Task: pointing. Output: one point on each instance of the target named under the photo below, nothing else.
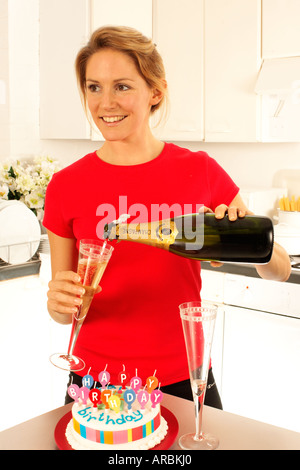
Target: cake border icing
(78, 442)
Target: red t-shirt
(135, 319)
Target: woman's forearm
(278, 268)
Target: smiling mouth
(110, 119)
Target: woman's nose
(108, 99)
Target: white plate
(20, 232)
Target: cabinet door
(178, 32)
(133, 13)
(280, 28)
(232, 61)
(64, 29)
(24, 351)
(261, 377)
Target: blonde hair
(131, 42)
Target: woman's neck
(130, 153)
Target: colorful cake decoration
(104, 377)
(114, 397)
(129, 397)
(95, 396)
(123, 415)
(136, 382)
(87, 381)
(123, 377)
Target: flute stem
(199, 401)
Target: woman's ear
(158, 95)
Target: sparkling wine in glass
(93, 258)
(198, 321)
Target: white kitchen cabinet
(212, 54)
(178, 31)
(24, 343)
(64, 29)
(280, 28)
(31, 385)
(257, 348)
(261, 294)
(261, 378)
(23, 351)
(137, 14)
(232, 61)
(62, 115)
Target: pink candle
(136, 382)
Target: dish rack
(30, 267)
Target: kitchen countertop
(234, 432)
(246, 270)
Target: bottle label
(166, 232)
(161, 233)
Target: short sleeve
(222, 188)
(55, 216)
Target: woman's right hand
(64, 296)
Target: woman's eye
(122, 87)
(93, 88)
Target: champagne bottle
(203, 237)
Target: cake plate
(165, 444)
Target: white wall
(4, 75)
(253, 164)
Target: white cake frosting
(92, 428)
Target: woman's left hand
(233, 212)
(279, 267)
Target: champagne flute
(198, 321)
(93, 258)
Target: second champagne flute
(198, 322)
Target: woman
(134, 320)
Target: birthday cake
(116, 417)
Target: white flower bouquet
(27, 182)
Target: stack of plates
(20, 232)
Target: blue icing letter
(109, 420)
(90, 418)
(84, 412)
(138, 415)
(121, 420)
(129, 418)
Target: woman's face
(118, 97)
